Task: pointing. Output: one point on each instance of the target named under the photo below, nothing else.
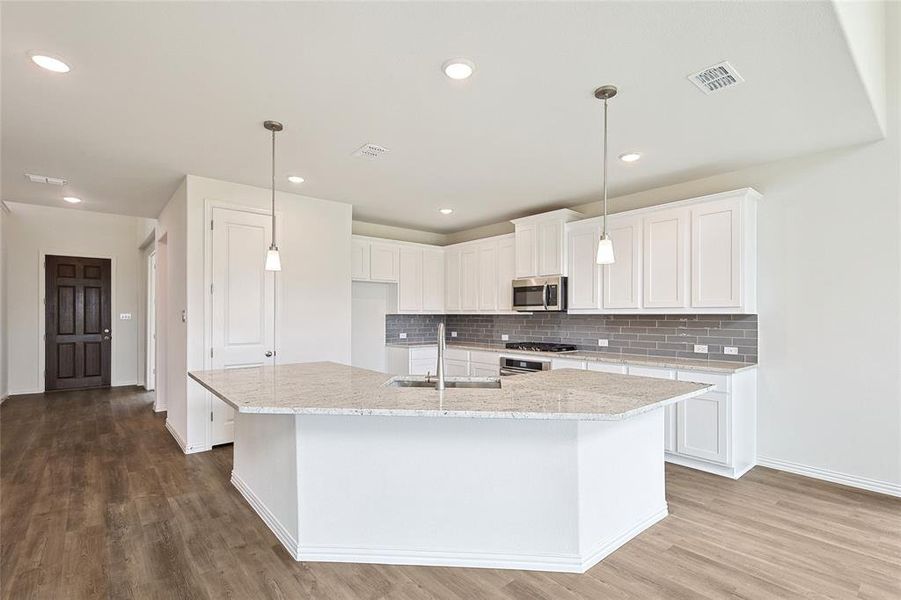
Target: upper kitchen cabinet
(692, 256)
(665, 258)
(723, 256)
(359, 259)
(541, 243)
(622, 279)
(433, 280)
(479, 275)
(384, 262)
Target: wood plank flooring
(97, 501)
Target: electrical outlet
(402, 336)
(701, 348)
(730, 350)
(504, 337)
(603, 343)
(453, 334)
(125, 316)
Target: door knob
(106, 331)
(106, 337)
(268, 353)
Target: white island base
(538, 494)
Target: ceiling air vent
(44, 179)
(370, 151)
(715, 78)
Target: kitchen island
(551, 471)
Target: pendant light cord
(274, 273)
(273, 188)
(604, 235)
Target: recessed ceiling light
(295, 178)
(50, 63)
(629, 156)
(458, 68)
(446, 211)
(71, 199)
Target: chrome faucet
(441, 347)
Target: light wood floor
(99, 502)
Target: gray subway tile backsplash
(654, 335)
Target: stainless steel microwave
(540, 294)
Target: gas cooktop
(540, 347)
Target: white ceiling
(158, 90)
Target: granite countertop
(326, 388)
(713, 366)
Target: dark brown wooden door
(78, 322)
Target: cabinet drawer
(607, 367)
(720, 381)
(655, 372)
(567, 363)
(456, 354)
(485, 358)
(424, 352)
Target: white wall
(32, 231)
(314, 301)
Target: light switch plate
(402, 336)
(730, 350)
(453, 334)
(603, 343)
(701, 348)
(125, 316)
(504, 337)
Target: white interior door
(242, 303)
(150, 374)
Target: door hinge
(211, 416)
(211, 353)
(211, 288)
(211, 224)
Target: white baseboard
(708, 467)
(281, 532)
(182, 444)
(561, 563)
(872, 485)
(607, 548)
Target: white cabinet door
(383, 262)
(622, 279)
(359, 259)
(702, 425)
(409, 286)
(433, 281)
(483, 370)
(716, 254)
(456, 368)
(506, 273)
(567, 363)
(551, 248)
(584, 280)
(669, 412)
(607, 367)
(488, 276)
(665, 258)
(452, 279)
(526, 250)
(469, 278)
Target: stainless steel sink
(489, 383)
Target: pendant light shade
(605, 251)
(273, 261)
(605, 244)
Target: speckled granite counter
(326, 388)
(711, 366)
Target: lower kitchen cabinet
(456, 368)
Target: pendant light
(273, 262)
(605, 244)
